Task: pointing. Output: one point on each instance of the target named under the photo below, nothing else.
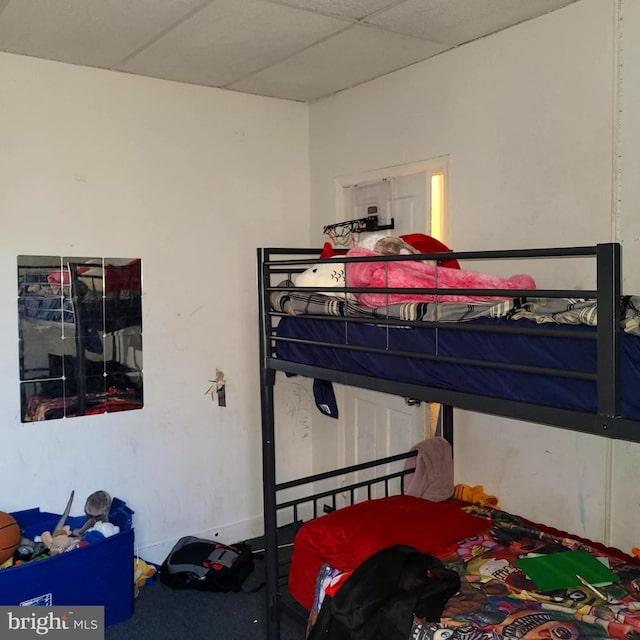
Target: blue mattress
(558, 352)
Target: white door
(411, 204)
(405, 199)
(378, 424)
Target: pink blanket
(418, 274)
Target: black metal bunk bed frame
(606, 421)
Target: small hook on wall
(218, 388)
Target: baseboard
(227, 534)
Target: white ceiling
(292, 49)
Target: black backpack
(196, 563)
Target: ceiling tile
(244, 44)
(355, 9)
(345, 60)
(457, 22)
(228, 40)
(88, 32)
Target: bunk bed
(80, 326)
(559, 357)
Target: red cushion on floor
(346, 537)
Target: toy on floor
(142, 571)
(9, 536)
(475, 495)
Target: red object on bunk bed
(346, 537)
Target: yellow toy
(475, 495)
(141, 573)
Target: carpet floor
(162, 613)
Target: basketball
(9, 536)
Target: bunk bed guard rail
(278, 264)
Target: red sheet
(344, 538)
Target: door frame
(430, 167)
(433, 166)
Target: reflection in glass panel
(80, 336)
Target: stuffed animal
(410, 243)
(416, 274)
(60, 540)
(96, 509)
(329, 273)
(475, 495)
(332, 274)
(393, 246)
(141, 573)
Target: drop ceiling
(291, 49)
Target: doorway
(413, 198)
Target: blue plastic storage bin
(100, 573)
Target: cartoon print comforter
(497, 600)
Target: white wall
(191, 180)
(526, 117)
(625, 507)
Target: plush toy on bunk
(409, 274)
(366, 234)
(412, 243)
